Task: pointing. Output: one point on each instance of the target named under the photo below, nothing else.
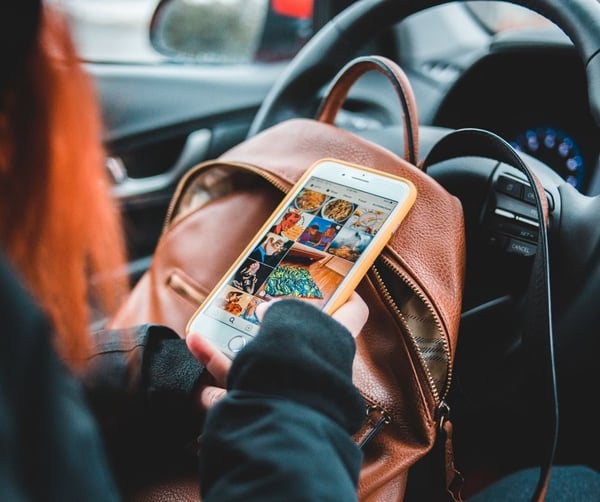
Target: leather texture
(178, 489)
(405, 353)
(337, 93)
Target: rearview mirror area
(230, 31)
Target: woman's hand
(352, 315)
(216, 363)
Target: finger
(214, 360)
(210, 395)
(353, 314)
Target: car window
(502, 16)
(118, 31)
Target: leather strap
(349, 74)
(481, 143)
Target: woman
(51, 167)
(60, 234)
(60, 231)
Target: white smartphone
(317, 246)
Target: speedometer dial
(555, 148)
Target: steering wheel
(333, 45)
(574, 232)
(575, 235)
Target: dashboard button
(529, 195)
(514, 229)
(510, 186)
(517, 207)
(527, 221)
(521, 248)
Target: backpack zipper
(375, 418)
(376, 415)
(407, 280)
(191, 175)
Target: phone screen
(312, 245)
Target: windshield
(500, 16)
(118, 31)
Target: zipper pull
(377, 417)
(454, 478)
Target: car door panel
(160, 121)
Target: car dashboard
(528, 86)
(535, 98)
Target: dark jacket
(140, 385)
(283, 432)
(49, 444)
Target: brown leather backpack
(405, 353)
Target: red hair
(60, 227)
